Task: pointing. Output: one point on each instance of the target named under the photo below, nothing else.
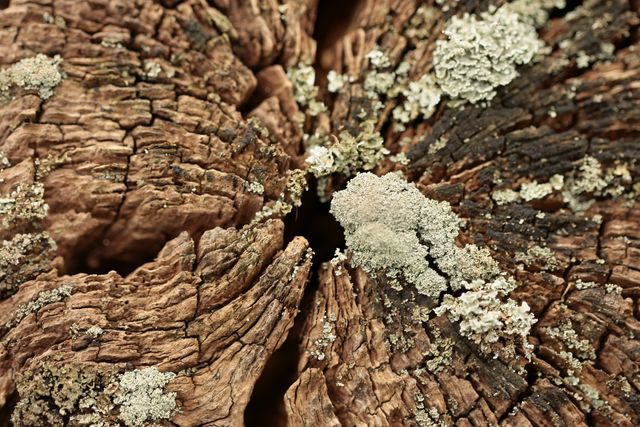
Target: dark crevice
(7, 409)
(330, 28)
(559, 13)
(313, 221)
(4, 4)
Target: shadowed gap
(313, 221)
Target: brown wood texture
(171, 110)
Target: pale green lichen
(291, 197)
(348, 154)
(582, 348)
(303, 78)
(58, 394)
(421, 99)
(481, 53)
(4, 162)
(44, 298)
(381, 77)
(487, 320)
(592, 179)
(391, 227)
(55, 395)
(528, 191)
(426, 417)
(141, 396)
(254, 187)
(23, 206)
(94, 332)
(39, 73)
(533, 190)
(336, 81)
(538, 255)
(22, 258)
(57, 20)
(328, 336)
(152, 69)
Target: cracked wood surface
(137, 164)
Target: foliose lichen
(59, 394)
(291, 197)
(481, 53)
(39, 73)
(141, 396)
(348, 154)
(305, 92)
(23, 206)
(488, 318)
(421, 97)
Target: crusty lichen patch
(291, 197)
(39, 73)
(141, 396)
(59, 394)
(23, 207)
(22, 258)
(44, 298)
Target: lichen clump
(485, 319)
(303, 78)
(57, 394)
(142, 398)
(23, 207)
(391, 227)
(480, 53)
(396, 234)
(349, 154)
(39, 73)
(44, 298)
(22, 258)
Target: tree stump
(166, 254)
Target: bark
(176, 124)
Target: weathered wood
(175, 135)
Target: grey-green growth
(44, 298)
(391, 227)
(485, 319)
(142, 398)
(22, 258)
(23, 206)
(348, 154)
(39, 73)
(58, 394)
(481, 52)
(303, 78)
